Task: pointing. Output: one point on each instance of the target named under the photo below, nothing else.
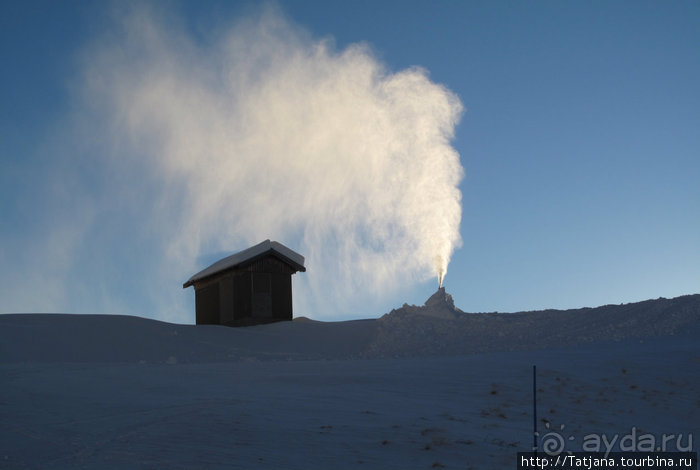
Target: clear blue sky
(580, 143)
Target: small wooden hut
(247, 288)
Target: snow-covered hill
(439, 328)
(421, 387)
(436, 328)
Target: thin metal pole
(534, 409)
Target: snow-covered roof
(294, 259)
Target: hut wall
(242, 298)
(260, 292)
(271, 289)
(226, 300)
(262, 295)
(282, 296)
(207, 304)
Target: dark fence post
(534, 409)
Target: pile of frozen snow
(436, 328)
(439, 328)
(114, 338)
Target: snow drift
(437, 328)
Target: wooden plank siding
(257, 292)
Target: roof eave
(293, 264)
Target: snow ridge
(437, 328)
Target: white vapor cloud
(261, 131)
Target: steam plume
(264, 132)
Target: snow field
(469, 411)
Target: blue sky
(579, 143)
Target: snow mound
(439, 305)
(125, 339)
(437, 328)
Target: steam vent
(439, 305)
(440, 300)
(247, 288)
